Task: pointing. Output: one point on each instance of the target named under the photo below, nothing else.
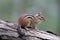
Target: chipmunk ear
(40, 13)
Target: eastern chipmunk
(30, 20)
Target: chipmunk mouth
(44, 20)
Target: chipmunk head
(40, 17)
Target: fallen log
(11, 31)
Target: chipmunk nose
(45, 19)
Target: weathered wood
(12, 31)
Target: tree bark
(11, 31)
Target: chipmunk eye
(41, 17)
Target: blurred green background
(11, 9)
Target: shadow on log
(11, 31)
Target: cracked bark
(11, 31)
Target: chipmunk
(31, 20)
